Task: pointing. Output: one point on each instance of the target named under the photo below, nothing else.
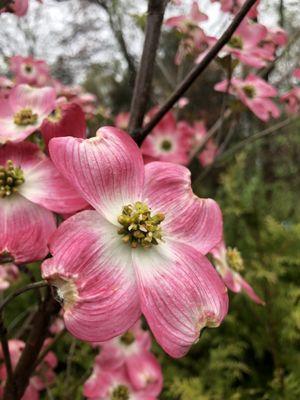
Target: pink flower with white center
(233, 6)
(167, 142)
(30, 188)
(17, 7)
(292, 100)
(29, 70)
(115, 352)
(43, 376)
(194, 39)
(131, 351)
(228, 262)
(255, 93)
(24, 111)
(186, 22)
(107, 384)
(67, 119)
(9, 273)
(140, 251)
(5, 87)
(246, 45)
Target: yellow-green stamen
(11, 177)
(128, 338)
(121, 392)
(139, 227)
(249, 91)
(236, 42)
(55, 116)
(25, 117)
(166, 145)
(234, 259)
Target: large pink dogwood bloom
(23, 112)
(140, 251)
(30, 188)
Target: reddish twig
(141, 134)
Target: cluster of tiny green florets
(25, 117)
(121, 392)
(128, 338)
(234, 259)
(249, 91)
(236, 42)
(10, 178)
(139, 227)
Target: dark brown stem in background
(6, 353)
(116, 27)
(142, 88)
(139, 136)
(15, 387)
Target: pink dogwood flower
(44, 374)
(30, 189)
(168, 141)
(9, 273)
(223, 258)
(292, 100)
(233, 6)
(132, 352)
(29, 70)
(5, 87)
(24, 111)
(255, 93)
(107, 384)
(185, 22)
(67, 119)
(246, 45)
(140, 251)
(17, 7)
(209, 153)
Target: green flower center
(128, 338)
(121, 392)
(236, 42)
(139, 227)
(11, 178)
(28, 68)
(249, 91)
(25, 117)
(166, 145)
(234, 259)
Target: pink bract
(26, 220)
(232, 279)
(38, 103)
(168, 141)
(18, 7)
(255, 93)
(30, 71)
(105, 283)
(44, 374)
(66, 120)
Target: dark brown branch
(6, 353)
(139, 136)
(142, 88)
(15, 388)
(20, 291)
